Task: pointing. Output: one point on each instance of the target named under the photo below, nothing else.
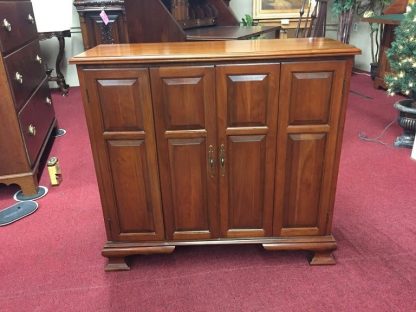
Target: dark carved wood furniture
(94, 31)
(230, 33)
(26, 109)
(162, 21)
(59, 78)
(181, 20)
(225, 142)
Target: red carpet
(50, 261)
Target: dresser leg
(29, 186)
(323, 257)
(117, 264)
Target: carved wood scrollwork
(106, 33)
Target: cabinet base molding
(116, 264)
(116, 255)
(322, 250)
(322, 246)
(322, 258)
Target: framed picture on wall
(264, 9)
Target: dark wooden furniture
(392, 16)
(181, 20)
(225, 142)
(389, 22)
(26, 110)
(59, 78)
(162, 21)
(230, 32)
(94, 31)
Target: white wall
(73, 46)
(360, 37)
(242, 7)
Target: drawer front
(17, 25)
(25, 72)
(35, 120)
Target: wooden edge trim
(122, 252)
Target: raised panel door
(184, 106)
(247, 106)
(308, 122)
(120, 120)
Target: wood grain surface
(218, 50)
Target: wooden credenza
(234, 142)
(26, 109)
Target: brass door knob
(18, 77)
(48, 100)
(30, 19)
(31, 130)
(38, 59)
(7, 25)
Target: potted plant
(345, 10)
(368, 9)
(402, 78)
(375, 33)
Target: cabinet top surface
(214, 51)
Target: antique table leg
(60, 79)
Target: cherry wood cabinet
(94, 30)
(221, 143)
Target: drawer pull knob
(7, 25)
(30, 19)
(38, 59)
(19, 77)
(48, 100)
(31, 130)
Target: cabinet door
(247, 104)
(120, 120)
(308, 125)
(184, 105)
